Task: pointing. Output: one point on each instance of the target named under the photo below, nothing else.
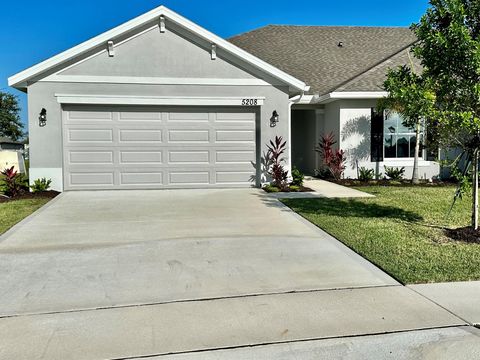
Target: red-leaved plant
(12, 182)
(275, 168)
(333, 160)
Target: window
(398, 140)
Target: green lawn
(14, 211)
(401, 231)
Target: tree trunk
(475, 190)
(415, 157)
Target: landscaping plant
(394, 173)
(40, 185)
(13, 182)
(297, 177)
(365, 174)
(275, 161)
(333, 159)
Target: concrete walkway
(230, 273)
(322, 188)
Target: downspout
(291, 101)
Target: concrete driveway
(130, 274)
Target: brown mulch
(28, 195)
(386, 182)
(465, 234)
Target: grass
(401, 230)
(14, 211)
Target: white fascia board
(155, 100)
(19, 80)
(153, 80)
(359, 95)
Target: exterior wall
(354, 134)
(46, 146)
(155, 54)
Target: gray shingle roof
(312, 54)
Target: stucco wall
(355, 117)
(46, 142)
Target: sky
(32, 31)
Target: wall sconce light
(274, 119)
(42, 118)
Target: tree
(10, 125)
(410, 95)
(449, 50)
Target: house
(160, 102)
(11, 154)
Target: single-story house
(160, 102)
(7, 143)
(11, 154)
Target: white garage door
(141, 148)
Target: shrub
(274, 163)
(394, 173)
(297, 177)
(271, 188)
(333, 160)
(365, 174)
(294, 188)
(13, 182)
(40, 185)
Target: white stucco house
(160, 102)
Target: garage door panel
(141, 178)
(82, 157)
(233, 177)
(188, 157)
(235, 136)
(89, 135)
(137, 148)
(91, 178)
(140, 116)
(188, 136)
(189, 178)
(140, 135)
(140, 157)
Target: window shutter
(376, 138)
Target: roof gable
(86, 48)
(313, 54)
(151, 54)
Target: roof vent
(340, 44)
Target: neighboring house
(11, 154)
(160, 102)
(9, 144)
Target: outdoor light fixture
(274, 119)
(42, 118)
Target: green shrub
(365, 174)
(297, 177)
(271, 188)
(394, 173)
(41, 185)
(294, 188)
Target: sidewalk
(322, 188)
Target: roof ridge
(369, 68)
(332, 26)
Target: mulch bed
(28, 195)
(465, 234)
(386, 182)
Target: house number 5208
(249, 102)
